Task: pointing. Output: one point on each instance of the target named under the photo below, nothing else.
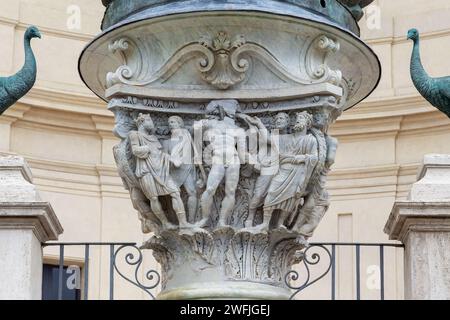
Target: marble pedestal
(222, 108)
(25, 223)
(422, 224)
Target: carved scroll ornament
(224, 62)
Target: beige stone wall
(65, 134)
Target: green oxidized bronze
(356, 7)
(340, 13)
(15, 87)
(434, 90)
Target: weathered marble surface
(239, 55)
(422, 224)
(276, 166)
(25, 223)
(223, 119)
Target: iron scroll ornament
(308, 261)
(136, 260)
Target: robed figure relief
(317, 201)
(153, 171)
(297, 155)
(265, 156)
(183, 170)
(290, 162)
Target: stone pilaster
(25, 223)
(422, 224)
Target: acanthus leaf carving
(247, 257)
(283, 257)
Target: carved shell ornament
(223, 62)
(224, 70)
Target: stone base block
(226, 290)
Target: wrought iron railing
(310, 257)
(132, 259)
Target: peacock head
(413, 34)
(32, 32)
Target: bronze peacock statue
(15, 87)
(435, 90)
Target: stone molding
(427, 207)
(94, 180)
(64, 101)
(432, 162)
(20, 205)
(25, 223)
(223, 291)
(15, 163)
(410, 216)
(410, 117)
(271, 74)
(422, 224)
(36, 216)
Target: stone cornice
(380, 107)
(37, 216)
(17, 164)
(65, 101)
(104, 126)
(366, 172)
(60, 33)
(408, 216)
(49, 31)
(33, 124)
(395, 40)
(16, 112)
(366, 126)
(383, 107)
(101, 179)
(382, 116)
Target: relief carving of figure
(181, 184)
(317, 201)
(152, 171)
(227, 151)
(149, 222)
(267, 163)
(126, 166)
(298, 159)
(183, 172)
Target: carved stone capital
(223, 112)
(220, 207)
(225, 255)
